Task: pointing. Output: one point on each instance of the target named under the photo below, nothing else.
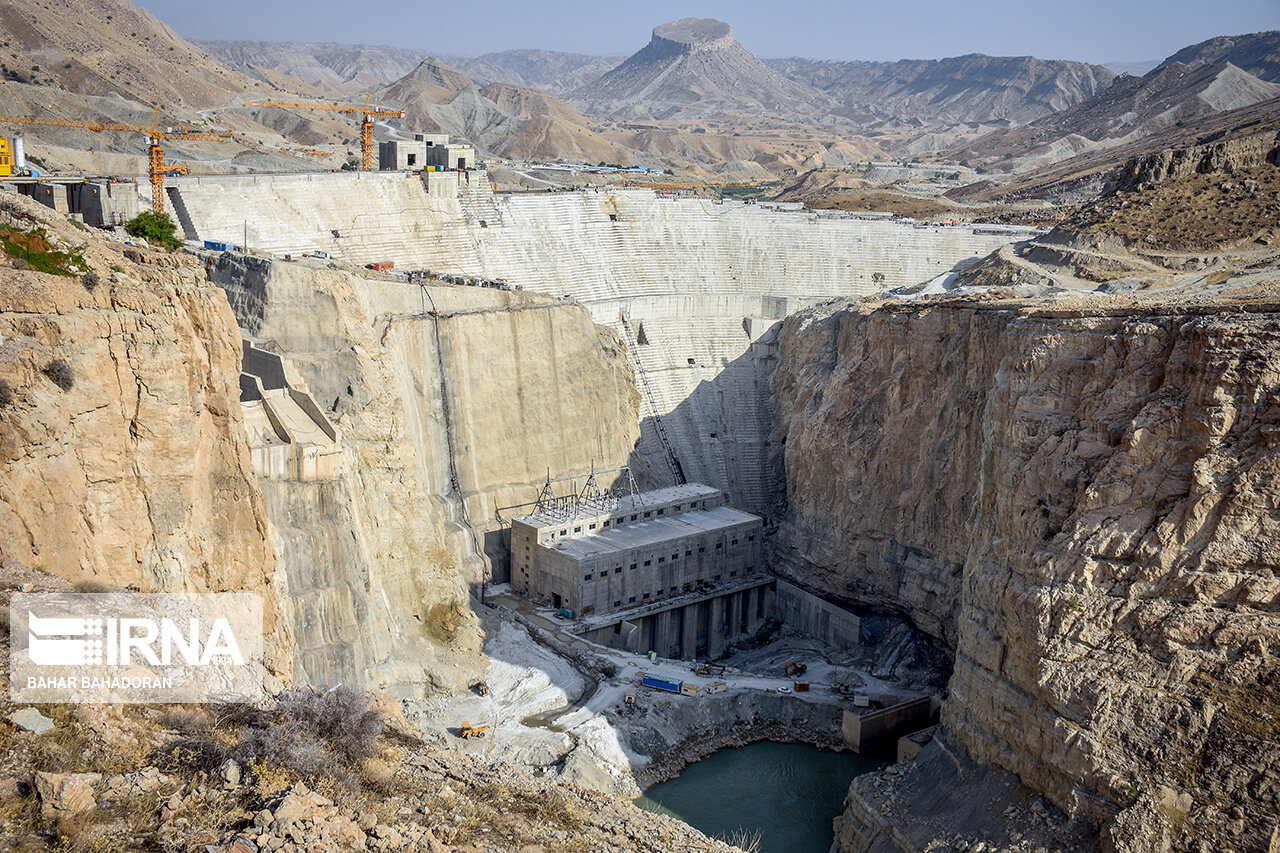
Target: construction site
(689, 293)
(603, 478)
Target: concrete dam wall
(695, 288)
(443, 416)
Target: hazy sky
(1090, 30)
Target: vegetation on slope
(1193, 212)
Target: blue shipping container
(661, 684)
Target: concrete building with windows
(676, 571)
(425, 149)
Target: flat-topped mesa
(691, 35)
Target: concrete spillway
(695, 287)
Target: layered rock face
(452, 403)
(138, 473)
(1081, 504)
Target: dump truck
(663, 684)
(631, 696)
(470, 731)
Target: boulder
(66, 793)
(31, 720)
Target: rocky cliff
(1080, 503)
(131, 469)
(447, 416)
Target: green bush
(32, 250)
(154, 227)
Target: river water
(787, 792)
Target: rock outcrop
(1079, 502)
(134, 469)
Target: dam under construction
(501, 385)
(543, 428)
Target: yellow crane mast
(156, 168)
(366, 112)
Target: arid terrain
(985, 347)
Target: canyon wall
(451, 404)
(134, 471)
(1081, 503)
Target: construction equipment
(481, 688)
(795, 668)
(155, 152)
(708, 669)
(469, 731)
(367, 114)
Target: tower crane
(155, 152)
(367, 113)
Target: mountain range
(1171, 96)
(692, 98)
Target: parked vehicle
(663, 684)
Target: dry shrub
(61, 374)
(188, 719)
(89, 586)
(313, 733)
(271, 778)
(6, 394)
(378, 775)
(186, 755)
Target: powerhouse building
(676, 571)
